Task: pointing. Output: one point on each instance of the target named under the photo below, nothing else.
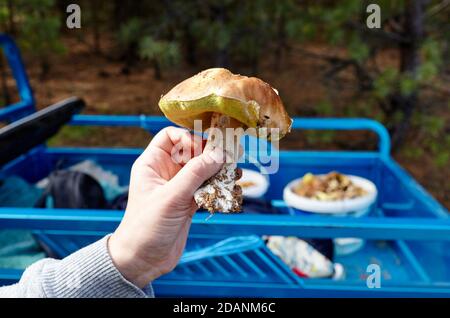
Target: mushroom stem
(220, 192)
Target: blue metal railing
(386, 228)
(26, 104)
(384, 142)
(156, 123)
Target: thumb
(196, 171)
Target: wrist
(127, 262)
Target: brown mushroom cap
(249, 100)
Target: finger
(196, 172)
(170, 136)
(178, 143)
(167, 138)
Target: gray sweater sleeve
(88, 272)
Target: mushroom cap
(249, 100)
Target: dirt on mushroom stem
(221, 193)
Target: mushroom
(225, 103)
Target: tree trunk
(157, 74)
(254, 62)
(191, 47)
(11, 27)
(189, 41)
(281, 41)
(409, 64)
(125, 10)
(222, 53)
(95, 7)
(5, 92)
(45, 68)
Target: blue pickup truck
(407, 232)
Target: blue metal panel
(399, 265)
(241, 224)
(312, 288)
(250, 266)
(222, 289)
(261, 268)
(416, 193)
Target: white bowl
(347, 245)
(261, 184)
(358, 205)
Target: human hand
(152, 235)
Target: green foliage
(432, 137)
(241, 30)
(238, 34)
(212, 35)
(319, 137)
(4, 12)
(137, 39)
(407, 84)
(71, 134)
(384, 91)
(391, 80)
(358, 50)
(442, 152)
(431, 60)
(130, 32)
(433, 125)
(413, 152)
(385, 82)
(41, 35)
(164, 52)
(38, 27)
(325, 107)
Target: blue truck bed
(407, 232)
